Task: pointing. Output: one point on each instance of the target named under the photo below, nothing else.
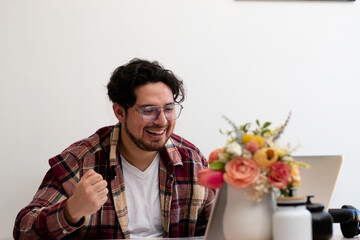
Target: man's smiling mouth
(154, 132)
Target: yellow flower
(259, 140)
(247, 138)
(265, 157)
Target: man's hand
(90, 194)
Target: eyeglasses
(151, 113)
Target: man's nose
(162, 118)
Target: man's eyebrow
(150, 105)
(146, 105)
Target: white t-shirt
(143, 199)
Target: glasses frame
(159, 109)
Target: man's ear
(119, 112)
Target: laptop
(319, 180)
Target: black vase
(322, 222)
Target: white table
(336, 236)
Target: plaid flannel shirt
(185, 206)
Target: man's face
(149, 136)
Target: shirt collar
(172, 151)
(114, 138)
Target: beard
(140, 143)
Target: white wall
(244, 59)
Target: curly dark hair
(138, 72)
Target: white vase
(245, 219)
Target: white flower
(287, 158)
(247, 154)
(234, 148)
(223, 157)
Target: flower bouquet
(253, 160)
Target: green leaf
(266, 124)
(217, 165)
(265, 131)
(245, 127)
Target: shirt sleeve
(44, 217)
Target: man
(134, 179)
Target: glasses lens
(172, 111)
(150, 113)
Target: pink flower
(240, 172)
(252, 146)
(280, 174)
(210, 178)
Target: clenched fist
(90, 194)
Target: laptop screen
(320, 179)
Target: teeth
(155, 132)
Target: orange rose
(295, 175)
(280, 174)
(214, 155)
(240, 172)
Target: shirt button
(65, 232)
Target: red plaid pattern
(185, 206)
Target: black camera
(348, 217)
